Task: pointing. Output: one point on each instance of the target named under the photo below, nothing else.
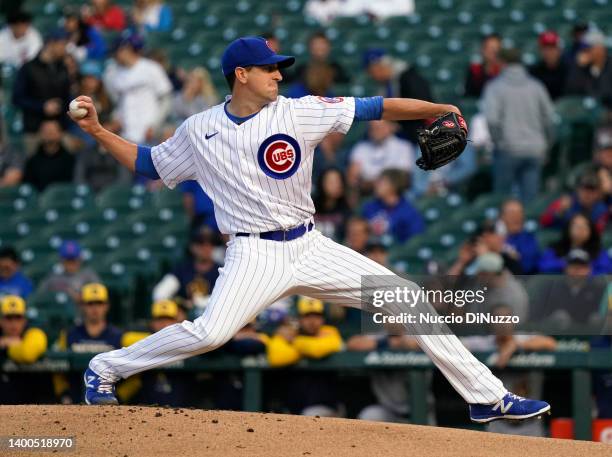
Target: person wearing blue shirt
(13, 281)
(390, 214)
(198, 205)
(580, 232)
(512, 219)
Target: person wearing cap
(85, 41)
(587, 199)
(396, 78)
(21, 344)
(93, 334)
(19, 40)
(194, 278)
(502, 287)
(73, 275)
(308, 393)
(480, 73)
(140, 89)
(42, 87)
(520, 116)
(551, 69)
(578, 233)
(104, 15)
(575, 297)
(12, 279)
(602, 160)
(255, 151)
(591, 73)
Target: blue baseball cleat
(97, 390)
(510, 407)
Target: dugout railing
(580, 364)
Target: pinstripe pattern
(259, 272)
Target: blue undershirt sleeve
(144, 163)
(368, 109)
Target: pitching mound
(137, 431)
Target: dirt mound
(142, 431)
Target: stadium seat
(546, 237)
(123, 198)
(166, 198)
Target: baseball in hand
(75, 111)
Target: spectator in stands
(357, 234)
(42, 88)
(21, 344)
(317, 80)
(389, 387)
(492, 239)
(579, 233)
(85, 41)
(382, 150)
(603, 161)
(176, 75)
(551, 70)
(19, 40)
(326, 11)
(319, 50)
(52, 162)
(90, 83)
(11, 165)
(329, 154)
(308, 393)
(12, 280)
(588, 199)
(591, 73)
(524, 243)
(198, 206)
(152, 16)
(104, 15)
(94, 335)
(520, 116)
(390, 214)
(502, 288)
(331, 204)
(479, 73)
(397, 79)
(140, 89)
(377, 251)
(506, 343)
(73, 275)
(576, 297)
(194, 278)
(229, 387)
(198, 94)
(157, 387)
(576, 44)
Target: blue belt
(283, 235)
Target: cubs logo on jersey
(279, 156)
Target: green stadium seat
(546, 237)
(41, 268)
(166, 198)
(123, 198)
(66, 196)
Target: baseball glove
(442, 142)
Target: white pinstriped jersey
(258, 174)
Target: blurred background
(93, 258)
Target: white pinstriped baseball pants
(259, 272)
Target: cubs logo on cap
(279, 156)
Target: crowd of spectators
(365, 195)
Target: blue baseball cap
(70, 250)
(251, 50)
(372, 55)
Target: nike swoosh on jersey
(208, 137)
